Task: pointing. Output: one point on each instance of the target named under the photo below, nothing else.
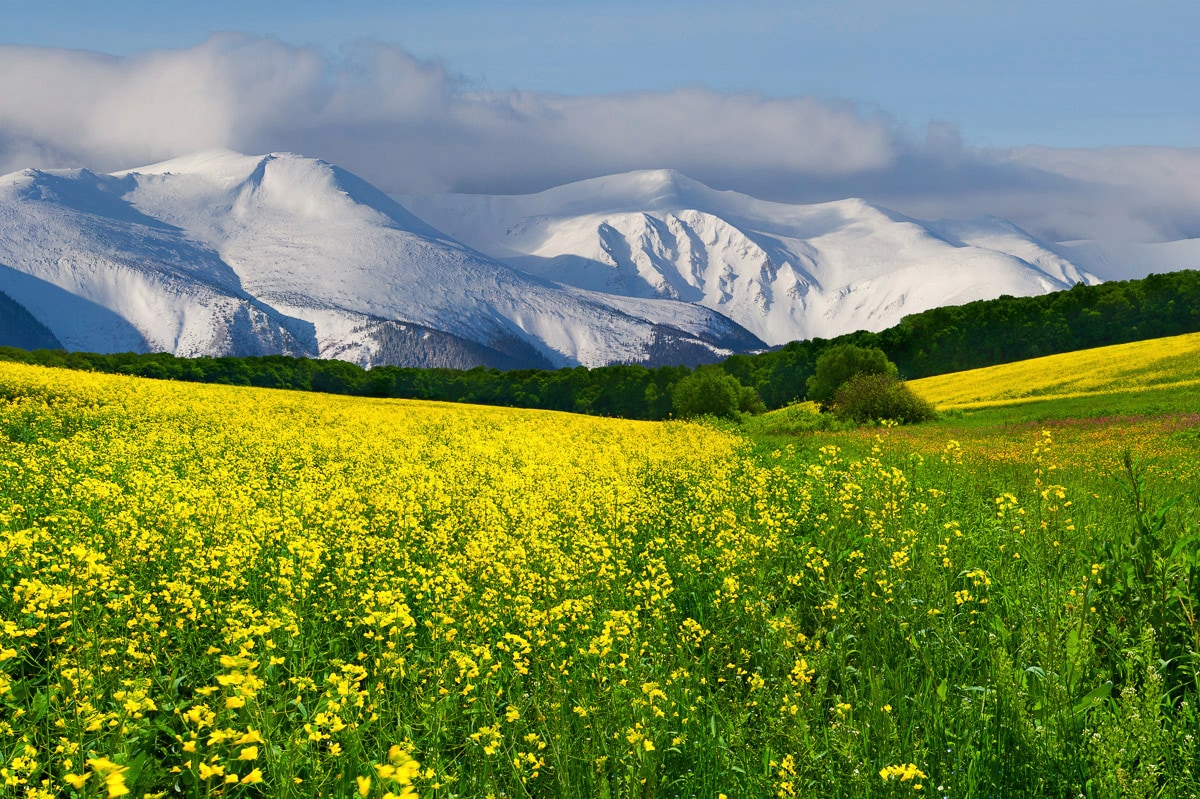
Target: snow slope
(104, 277)
(222, 253)
(783, 272)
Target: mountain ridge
(784, 272)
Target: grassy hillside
(1134, 367)
(1004, 330)
(213, 590)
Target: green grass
(1079, 675)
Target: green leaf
(1093, 697)
(1185, 544)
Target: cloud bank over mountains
(412, 127)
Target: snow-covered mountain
(783, 272)
(221, 253)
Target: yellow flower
(905, 771)
(77, 780)
(113, 773)
(249, 737)
(249, 753)
(104, 765)
(207, 771)
(364, 786)
(253, 777)
(406, 792)
(115, 783)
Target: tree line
(942, 340)
(990, 332)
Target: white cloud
(410, 127)
(378, 108)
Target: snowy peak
(651, 189)
(288, 183)
(1123, 260)
(79, 190)
(781, 271)
(102, 275)
(1002, 236)
(220, 165)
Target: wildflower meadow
(217, 591)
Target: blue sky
(1058, 73)
(1074, 119)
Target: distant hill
(784, 272)
(1117, 368)
(222, 254)
(990, 332)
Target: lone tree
(839, 363)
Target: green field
(1079, 675)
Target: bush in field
(841, 362)
(874, 397)
(710, 391)
(749, 401)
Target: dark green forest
(939, 341)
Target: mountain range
(220, 253)
(784, 272)
(225, 254)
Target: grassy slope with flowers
(1118, 369)
(208, 591)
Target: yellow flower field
(238, 586)
(1138, 366)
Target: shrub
(709, 391)
(874, 397)
(841, 362)
(796, 419)
(749, 401)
